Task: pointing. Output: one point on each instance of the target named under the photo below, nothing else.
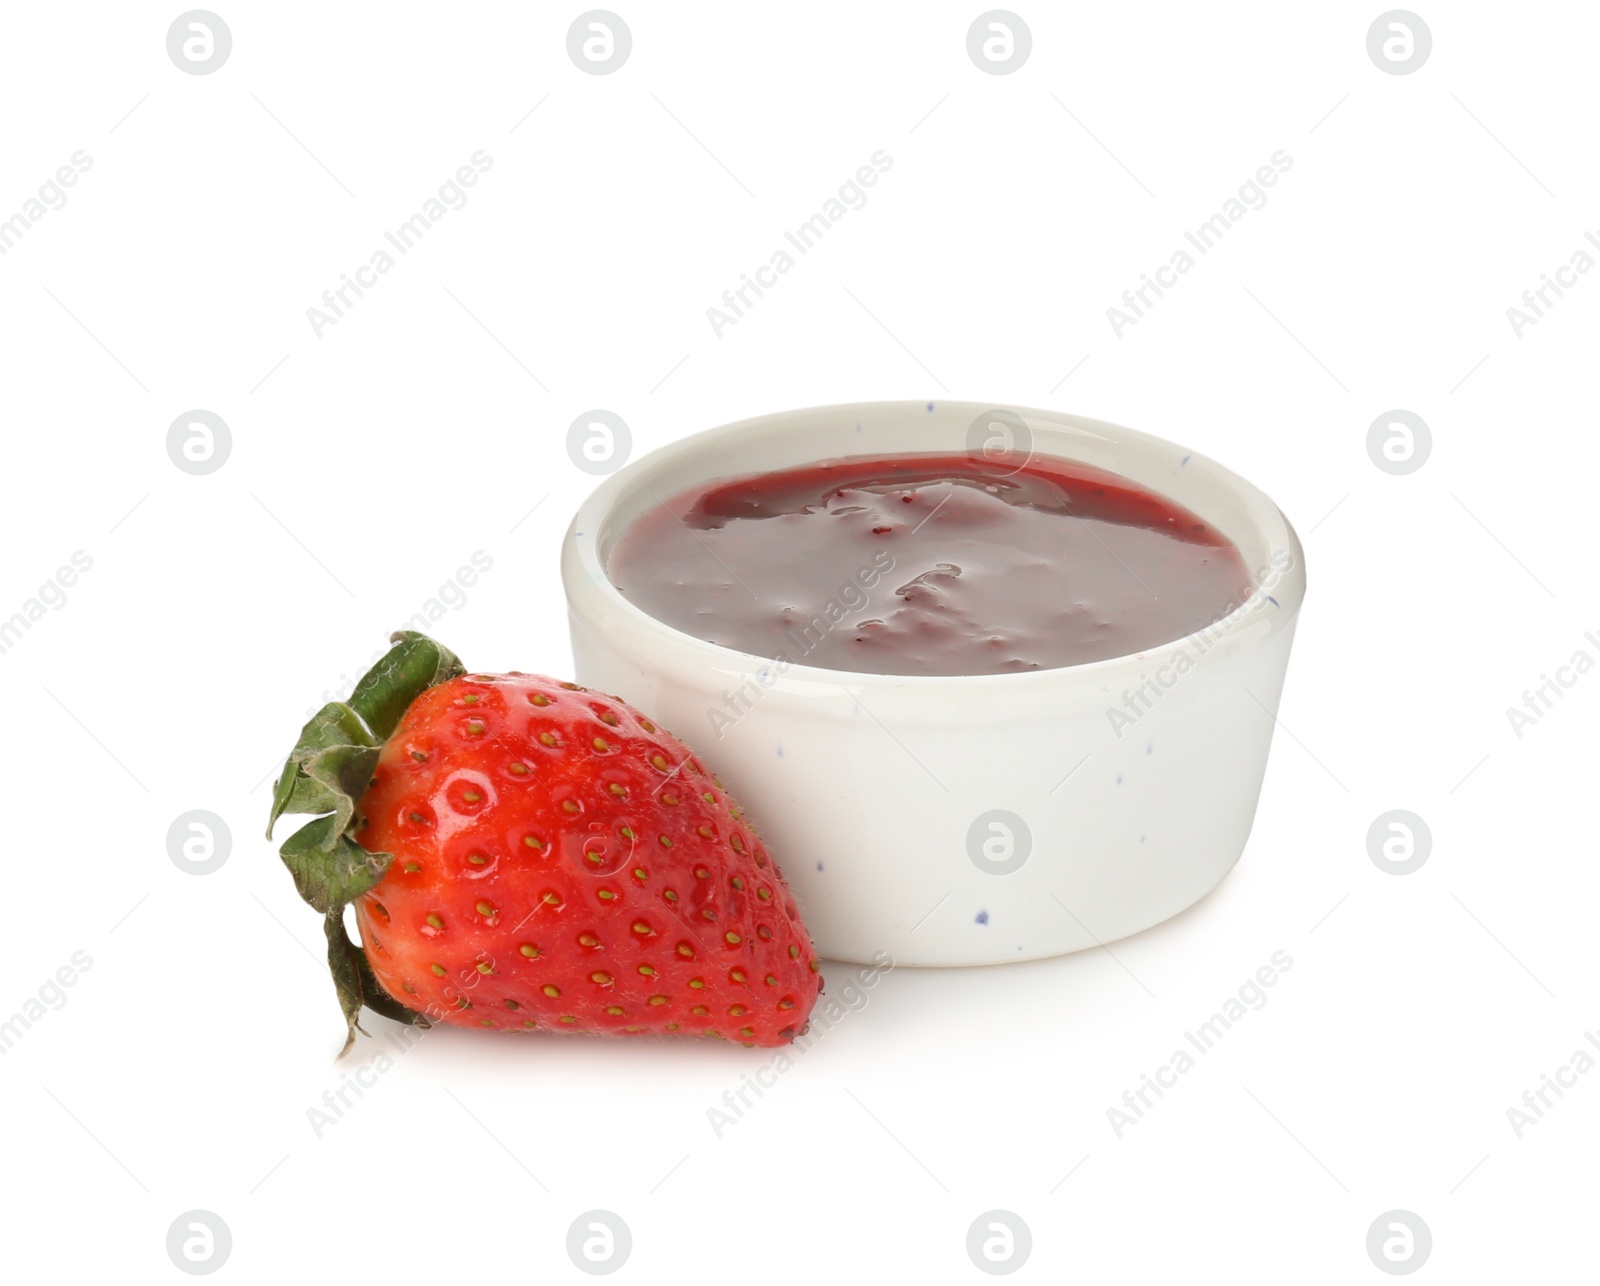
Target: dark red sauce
(929, 564)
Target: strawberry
(526, 855)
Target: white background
(369, 463)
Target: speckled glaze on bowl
(971, 819)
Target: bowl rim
(586, 582)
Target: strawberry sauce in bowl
(993, 684)
(929, 564)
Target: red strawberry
(526, 855)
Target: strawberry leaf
(353, 980)
(343, 772)
(330, 869)
(334, 726)
(326, 773)
(408, 669)
(346, 976)
(328, 769)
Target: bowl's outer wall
(870, 827)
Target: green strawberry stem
(326, 774)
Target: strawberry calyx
(326, 774)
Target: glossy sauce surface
(929, 564)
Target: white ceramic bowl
(972, 819)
